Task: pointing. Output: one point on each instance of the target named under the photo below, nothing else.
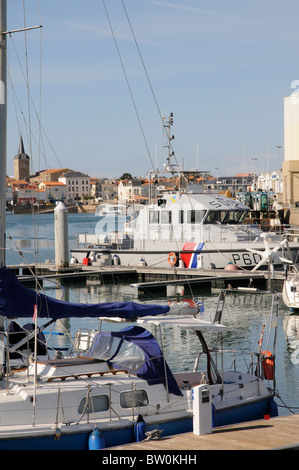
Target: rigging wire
(42, 132)
(27, 77)
(154, 96)
(38, 141)
(14, 94)
(145, 69)
(40, 87)
(128, 84)
(142, 61)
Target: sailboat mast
(3, 124)
(3, 120)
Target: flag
(34, 312)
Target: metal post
(164, 363)
(61, 235)
(3, 120)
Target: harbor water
(31, 240)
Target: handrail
(88, 374)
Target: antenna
(167, 126)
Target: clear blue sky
(223, 67)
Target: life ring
(172, 258)
(268, 365)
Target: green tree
(126, 176)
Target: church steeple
(21, 163)
(21, 146)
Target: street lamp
(278, 147)
(216, 168)
(254, 159)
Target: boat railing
(224, 232)
(252, 362)
(292, 233)
(230, 357)
(242, 232)
(258, 364)
(233, 356)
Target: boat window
(225, 217)
(229, 217)
(243, 215)
(133, 398)
(96, 404)
(213, 217)
(195, 216)
(165, 217)
(123, 354)
(103, 347)
(232, 217)
(181, 217)
(154, 217)
(129, 356)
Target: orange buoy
(268, 365)
(171, 259)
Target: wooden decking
(274, 434)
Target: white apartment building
(9, 194)
(290, 164)
(77, 184)
(129, 191)
(55, 190)
(24, 197)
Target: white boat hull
(57, 424)
(290, 291)
(209, 256)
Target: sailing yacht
(70, 402)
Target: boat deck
(274, 434)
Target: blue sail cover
(17, 301)
(149, 365)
